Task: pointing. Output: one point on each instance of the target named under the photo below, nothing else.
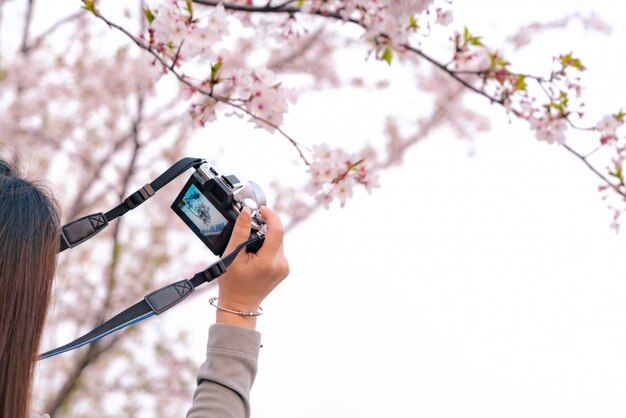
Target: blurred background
(481, 279)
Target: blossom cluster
(335, 173)
(192, 44)
(264, 97)
(551, 109)
(69, 103)
(389, 24)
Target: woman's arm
(227, 375)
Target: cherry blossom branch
(501, 101)
(281, 8)
(170, 67)
(455, 74)
(308, 44)
(451, 73)
(580, 156)
(439, 115)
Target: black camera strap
(157, 302)
(81, 229)
(154, 303)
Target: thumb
(241, 231)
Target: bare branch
(304, 48)
(27, 20)
(79, 202)
(53, 28)
(96, 349)
(592, 168)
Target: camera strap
(157, 302)
(81, 229)
(154, 303)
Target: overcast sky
(484, 286)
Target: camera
(210, 203)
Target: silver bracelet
(216, 306)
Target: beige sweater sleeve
(226, 377)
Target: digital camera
(210, 203)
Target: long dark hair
(29, 242)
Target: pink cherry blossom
(549, 129)
(444, 17)
(608, 125)
(335, 173)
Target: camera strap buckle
(139, 196)
(164, 298)
(80, 230)
(214, 271)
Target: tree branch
(97, 348)
(170, 67)
(53, 28)
(79, 202)
(27, 20)
(304, 48)
(285, 9)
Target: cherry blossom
(549, 129)
(335, 173)
(608, 126)
(444, 17)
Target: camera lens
(257, 194)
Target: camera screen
(207, 219)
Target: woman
(29, 242)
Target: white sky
(485, 286)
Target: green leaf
(190, 8)
(149, 15)
(618, 174)
(413, 23)
(556, 106)
(476, 41)
(569, 61)
(564, 99)
(620, 115)
(90, 5)
(215, 68)
(300, 3)
(521, 82)
(471, 39)
(387, 55)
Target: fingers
(275, 231)
(241, 231)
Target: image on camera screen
(202, 213)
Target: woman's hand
(251, 277)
